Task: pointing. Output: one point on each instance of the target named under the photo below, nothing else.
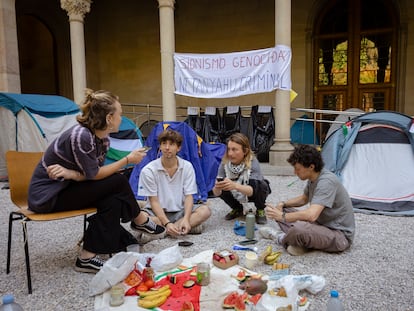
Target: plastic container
(9, 304)
(334, 303)
(225, 259)
(250, 223)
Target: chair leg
(12, 217)
(84, 223)
(26, 253)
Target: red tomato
(142, 288)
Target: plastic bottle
(149, 271)
(334, 303)
(250, 223)
(9, 304)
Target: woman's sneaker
(261, 217)
(149, 227)
(91, 265)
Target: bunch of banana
(269, 256)
(272, 257)
(154, 298)
(268, 251)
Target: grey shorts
(172, 216)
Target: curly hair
(95, 108)
(172, 136)
(243, 141)
(306, 155)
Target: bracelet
(167, 224)
(284, 216)
(127, 160)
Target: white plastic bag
(292, 285)
(167, 259)
(115, 270)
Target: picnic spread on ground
(177, 286)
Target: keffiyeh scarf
(241, 175)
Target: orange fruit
(149, 283)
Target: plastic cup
(250, 260)
(117, 296)
(203, 273)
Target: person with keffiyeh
(240, 180)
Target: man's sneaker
(91, 265)
(197, 229)
(234, 214)
(149, 227)
(261, 217)
(144, 238)
(271, 233)
(296, 250)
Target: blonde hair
(95, 108)
(242, 140)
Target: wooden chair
(20, 167)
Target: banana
(153, 292)
(265, 253)
(152, 303)
(155, 297)
(272, 258)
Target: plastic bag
(292, 285)
(167, 259)
(115, 270)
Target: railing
(146, 115)
(320, 117)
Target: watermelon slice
(239, 304)
(230, 300)
(255, 299)
(241, 276)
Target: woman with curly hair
(71, 175)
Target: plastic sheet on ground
(221, 284)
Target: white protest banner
(232, 74)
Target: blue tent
(303, 132)
(205, 157)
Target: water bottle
(9, 304)
(250, 223)
(334, 303)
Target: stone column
(282, 147)
(9, 52)
(76, 10)
(167, 40)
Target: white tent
(30, 122)
(373, 155)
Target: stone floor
(375, 274)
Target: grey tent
(373, 155)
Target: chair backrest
(20, 167)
